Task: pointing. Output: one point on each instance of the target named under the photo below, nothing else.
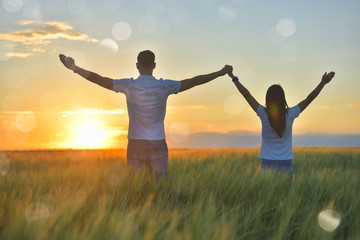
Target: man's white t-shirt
(272, 146)
(146, 99)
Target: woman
(277, 120)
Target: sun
(88, 135)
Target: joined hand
(226, 69)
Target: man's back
(146, 102)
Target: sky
(291, 43)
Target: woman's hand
(326, 78)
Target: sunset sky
(292, 43)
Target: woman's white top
(274, 147)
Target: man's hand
(326, 78)
(68, 62)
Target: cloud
(90, 111)
(18, 54)
(354, 105)
(325, 107)
(37, 35)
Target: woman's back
(272, 146)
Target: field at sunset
(72, 94)
(208, 194)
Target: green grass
(208, 194)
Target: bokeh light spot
(32, 11)
(179, 131)
(50, 202)
(286, 27)
(12, 6)
(25, 122)
(155, 9)
(121, 31)
(36, 211)
(109, 45)
(329, 220)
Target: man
(146, 99)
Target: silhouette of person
(277, 121)
(146, 99)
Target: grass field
(208, 194)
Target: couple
(146, 99)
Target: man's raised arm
(91, 76)
(201, 79)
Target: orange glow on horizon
(88, 134)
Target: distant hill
(243, 139)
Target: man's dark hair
(146, 58)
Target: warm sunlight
(88, 134)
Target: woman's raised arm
(247, 95)
(326, 78)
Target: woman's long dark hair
(276, 108)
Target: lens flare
(286, 27)
(329, 220)
(12, 6)
(25, 121)
(121, 31)
(36, 211)
(109, 45)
